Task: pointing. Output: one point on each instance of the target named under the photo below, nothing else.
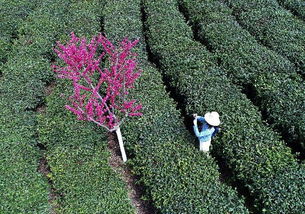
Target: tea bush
(77, 151)
(177, 177)
(276, 88)
(13, 12)
(23, 189)
(27, 71)
(79, 160)
(252, 150)
(296, 6)
(274, 26)
(80, 174)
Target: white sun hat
(212, 118)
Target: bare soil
(134, 191)
(49, 88)
(47, 91)
(43, 166)
(44, 169)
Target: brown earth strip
(43, 166)
(134, 191)
(44, 169)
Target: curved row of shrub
(177, 177)
(79, 160)
(27, 71)
(254, 153)
(13, 12)
(274, 26)
(296, 6)
(277, 89)
(23, 188)
(77, 150)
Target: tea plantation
(244, 59)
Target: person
(209, 128)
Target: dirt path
(134, 191)
(44, 169)
(43, 166)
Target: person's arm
(195, 127)
(196, 130)
(201, 119)
(217, 129)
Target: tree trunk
(120, 139)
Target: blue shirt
(206, 133)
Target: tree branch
(92, 119)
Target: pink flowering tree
(101, 94)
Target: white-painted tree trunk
(120, 139)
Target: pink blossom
(104, 100)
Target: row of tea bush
(274, 84)
(13, 12)
(177, 177)
(76, 151)
(252, 150)
(77, 155)
(273, 26)
(296, 6)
